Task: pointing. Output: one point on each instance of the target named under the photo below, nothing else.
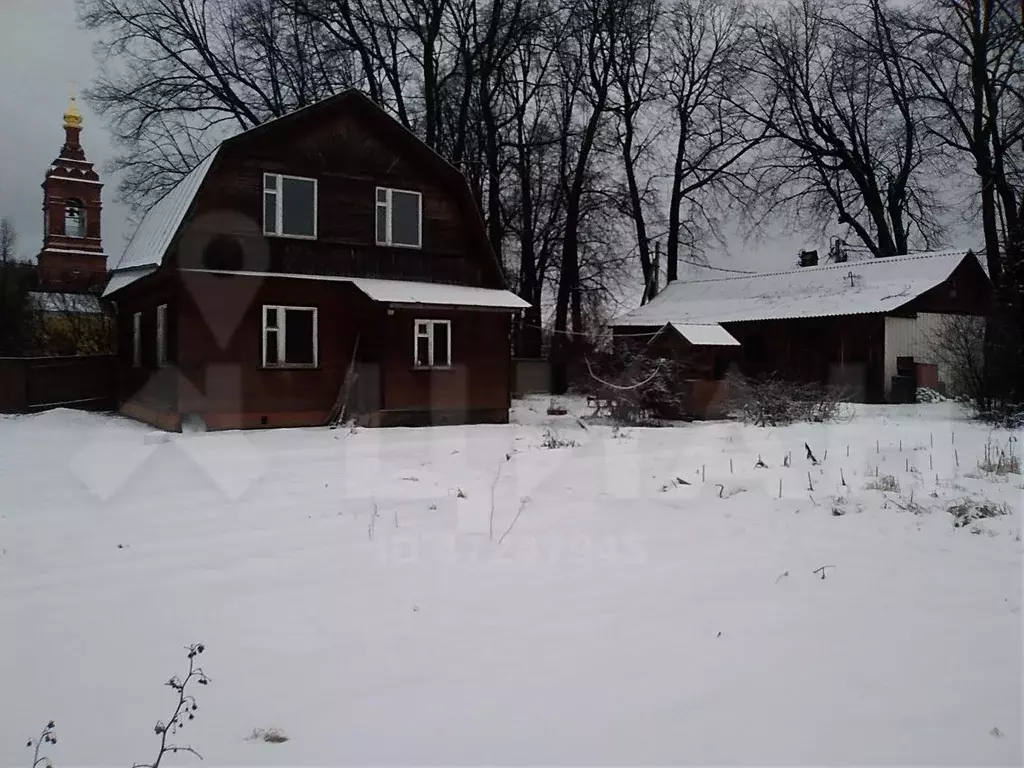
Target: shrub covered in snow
(927, 395)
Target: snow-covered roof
(400, 291)
(703, 334)
(158, 227)
(69, 303)
(851, 288)
(161, 222)
(121, 278)
(438, 294)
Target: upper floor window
(74, 218)
(289, 206)
(399, 218)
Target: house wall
(147, 392)
(350, 157)
(221, 365)
(476, 388)
(914, 337)
(218, 374)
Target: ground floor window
(432, 344)
(289, 336)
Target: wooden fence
(36, 383)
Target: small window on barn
(432, 344)
(74, 218)
(289, 206)
(137, 340)
(161, 336)
(290, 337)
(399, 218)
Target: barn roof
(160, 224)
(851, 288)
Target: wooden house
(325, 261)
(848, 324)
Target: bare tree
(970, 59)
(177, 76)
(636, 90)
(585, 75)
(708, 95)
(8, 240)
(841, 113)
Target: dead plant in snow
(885, 483)
(1000, 460)
(184, 711)
(968, 511)
(268, 735)
(47, 736)
(769, 401)
(552, 440)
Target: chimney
(808, 258)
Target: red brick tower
(72, 259)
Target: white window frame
(282, 352)
(161, 336)
(416, 336)
(278, 193)
(386, 204)
(137, 340)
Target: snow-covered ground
(354, 590)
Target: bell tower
(72, 259)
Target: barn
(868, 326)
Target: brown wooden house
(327, 258)
(846, 324)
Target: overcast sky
(42, 51)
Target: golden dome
(72, 115)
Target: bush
(981, 356)
(771, 402)
(967, 511)
(632, 387)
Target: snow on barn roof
(702, 334)
(850, 288)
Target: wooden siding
(218, 374)
(349, 160)
(480, 376)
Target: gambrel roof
(850, 288)
(156, 232)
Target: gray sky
(41, 52)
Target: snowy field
(654, 602)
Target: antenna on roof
(837, 250)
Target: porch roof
(851, 288)
(400, 291)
